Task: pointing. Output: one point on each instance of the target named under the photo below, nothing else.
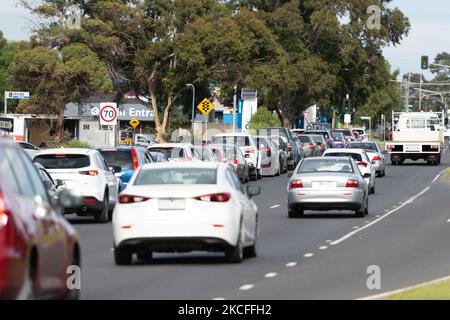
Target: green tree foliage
(263, 118)
(56, 77)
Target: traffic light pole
(420, 93)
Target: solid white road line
(275, 206)
(308, 255)
(246, 287)
(270, 275)
(435, 179)
(410, 200)
(389, 293)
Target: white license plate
(171, 204)
(324, 185)
(413, 148)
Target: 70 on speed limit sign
(108, 114)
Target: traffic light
(424, 62)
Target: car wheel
(251, 252)
(122, 256)
(103, 215)
(372, 189)
(145, 256)
(74, 294)
(295, 213)
(236, 254)
(360, 212)
(366, 211)
(259, 175)
(27, 291)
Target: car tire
(74, 294)
(102, 216)
(145, 256)
(372, 189)
(360, 212)
(122, 257)
(295, 213)
(366, 210)
(252, 252)
(236, 254)
(28, 290)
(258, 175)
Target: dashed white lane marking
(218, 299)
(308, 255)
(410, 200)
(448, 220)
(328, 241)
(111, 249)
(355, 227)
(380, 215)
(246, 287)
(367, 221)
(270, 275)
(435, 179)
(291, 264)
(275, 206)
(387, 210)
(323, 248)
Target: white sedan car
(362, 160)
(85, 172)
(183, 207)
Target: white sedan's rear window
(176, 176)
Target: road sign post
(15, 95)
(370, 126)
(7, 124)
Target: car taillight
(127, 198)
(92, 173)
(235, 161)
(352, 183)
(435, 146)
(215, 197)
(249, 151)
(296, 184)
(377, 158)
(134, 158)
(267, 151)
(362, 163)
(312, 146)
(3, 213)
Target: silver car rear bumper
(341, 199)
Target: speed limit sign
(108, 114)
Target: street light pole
(6, 102)
(193, 105)
(234, 108)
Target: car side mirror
(367, 175)
(253, 191)
(67, 199)
(115, 169)
(59, 183)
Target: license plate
(171, 204)
(324, 185)
(413, 148)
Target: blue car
(129, 159)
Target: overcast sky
(430, 33)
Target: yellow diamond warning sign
(134, 122)
(205, 107)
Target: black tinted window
(364, 146)
(121, 159)
(176, 176)
(169, 152)
(63, 161)
(355, 156)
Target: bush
(263, 118)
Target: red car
(37, 245)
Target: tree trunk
(60, 124)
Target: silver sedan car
(323, 184)
(375, 154)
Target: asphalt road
(321, 256)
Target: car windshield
(169, 152)
(355, 156)
(176, 176)
(326, 165)
(117, 158)
(364, 146)
(63, 161)
(241, 141)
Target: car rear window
(118, 158)
(241, 141)
(355, 156)
(176, 176)
(364, 146)
(304, 139)
(326, 165)
(318, 139)
(63, 161)
(169, 152)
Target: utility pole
(234, 108)
(420, 93)
(407, 92)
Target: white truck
(416, 135)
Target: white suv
(85, 172)
(248, 147)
